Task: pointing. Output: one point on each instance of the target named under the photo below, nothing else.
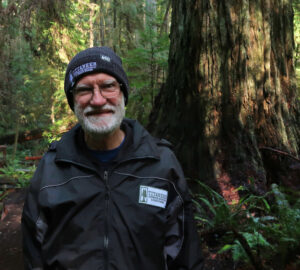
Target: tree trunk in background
(52, 116)
(115, 25)
(230, 91)
(164, 25)
(91, 22)
(17, 129)
(101, 24)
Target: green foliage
(147, 66)
(19, 171)
(35, 47)
(18, 175)
(285, 232)
(38, 39)
(266, 227)
(253, 239)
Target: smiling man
(100, 109)
(108, 195)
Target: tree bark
(114, 24)
(102, 24)
(91, 30)
(17, 128)
(164, 25)
(231, 89)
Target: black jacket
(134, 213)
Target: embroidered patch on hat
(84, 68)
(153, 196)
(105, 58)
(71, 79)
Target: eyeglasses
(108, 89)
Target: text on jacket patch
(153, 196)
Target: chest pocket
(141, 202)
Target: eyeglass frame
(100, 86)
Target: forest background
(248, 225)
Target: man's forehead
(99, 76)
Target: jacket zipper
(106, 240)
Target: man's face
(97, 114)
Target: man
(108, 195)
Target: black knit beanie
(93, 60)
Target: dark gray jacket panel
(134, 213)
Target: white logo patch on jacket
(153, 196)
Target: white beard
(100, 125)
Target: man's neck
(104, 142)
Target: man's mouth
(99, 112)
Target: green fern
(258, 229)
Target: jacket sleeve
(183, 228)
(190, 256)
(33, 227)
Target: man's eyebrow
(78, 86)
(109, 81)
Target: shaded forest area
(219, 79)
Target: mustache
(106, 108)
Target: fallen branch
(23, 136)
(33, 158)
(279, 152)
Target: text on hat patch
(84, 68)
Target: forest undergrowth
(256, 232)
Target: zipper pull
(105, 242)
(105, 176)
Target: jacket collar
(138, 144)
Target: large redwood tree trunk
(231, 91)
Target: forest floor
(10, 230)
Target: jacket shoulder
(163, 143)
(52, 146)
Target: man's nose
(97, 99)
